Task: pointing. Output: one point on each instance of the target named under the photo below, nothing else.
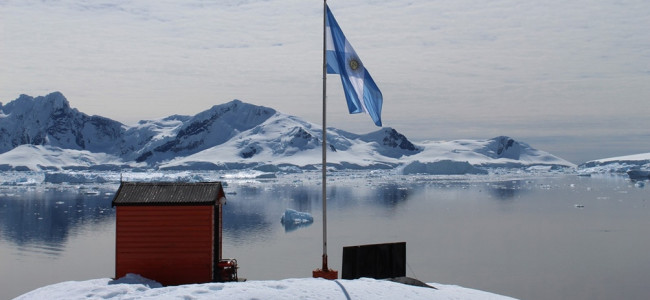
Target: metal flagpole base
(325, 272)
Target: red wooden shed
(169, 231)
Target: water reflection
(503, 236)
(41, 221)
(391, 195)
(506, 190)
(302, 198)
(244, 214)
(291, 226)
(254, 209)
(240, 222)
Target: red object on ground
(327, 274)
(227, 270)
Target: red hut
(169, 232)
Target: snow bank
(304, 288)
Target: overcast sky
(568, 77)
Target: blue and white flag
(361, 92)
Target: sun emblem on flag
(354, 63)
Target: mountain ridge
(231, 135)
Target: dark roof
(168, 193)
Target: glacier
(614, 165)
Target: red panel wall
(170, 244)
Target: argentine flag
(361, 92)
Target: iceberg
(296, 217)
(637, 174)
(293, 219)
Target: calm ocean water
(529, 237)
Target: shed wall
(170, 244)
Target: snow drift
(136, 287)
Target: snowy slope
(137, 287)
(287, 140)
(181, 136)
(233, 135)
(499, 150)
(31, 157)
(619, 164)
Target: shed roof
(168, 193)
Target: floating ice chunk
(295, 217)
(292, 219)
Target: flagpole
(324, 271)
(360, 97)
(324, 144)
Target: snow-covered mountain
(44, 133)
(50, 121)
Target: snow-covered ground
(136, 287)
